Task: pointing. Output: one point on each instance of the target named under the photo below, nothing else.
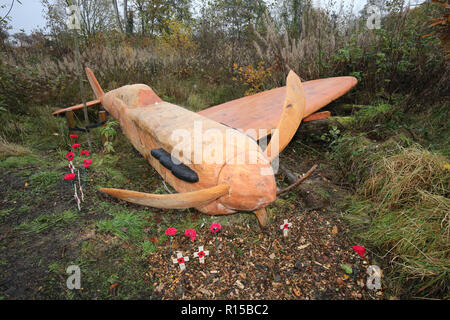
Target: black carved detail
(180, 170)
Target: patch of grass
(54, 268)
(126, 225)
(354, 155)
(8, 149)
(395, 180)
(44, 181)
(24, 209)
(6, 212)
(17, 162)
(148, 247)
(195, 102)
(371, 114)
(46, 221)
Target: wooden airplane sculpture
(220, 187)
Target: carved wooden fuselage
(234, 159)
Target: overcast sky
(29, 15)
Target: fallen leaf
(347, 269)
(335, 230)
(154, 239)
(113, 285)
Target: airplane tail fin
(98, 91)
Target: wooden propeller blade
(170, 201)
(98, 91)
(291, 116)
(261, 214)
(77, 107)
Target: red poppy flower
(87, 163)
(286, 226)
(180, 260)
(359, 250)
(69, 176)
(73, 136)
(201, 254)
(191, 233)
(70, 156)
(171, 231)
(215, 227)
(84, 153)
(76, 145)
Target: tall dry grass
(402, 210)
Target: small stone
(159, 287)
(180, 290)
(206, 292)
(298, 265)
(239, 285)
(304, 246)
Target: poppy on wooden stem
(70, 177)
(215, 228)
(192, 234)
(171, 232)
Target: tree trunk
(116, 8)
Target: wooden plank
(263, 110)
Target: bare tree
(96, 15)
